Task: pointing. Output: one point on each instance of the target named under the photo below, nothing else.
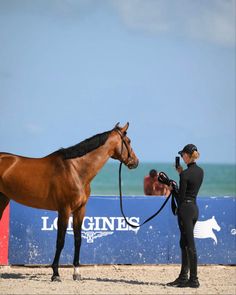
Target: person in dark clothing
(189, 185)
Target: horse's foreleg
(78, 216)
(3, 204)
(63, 217)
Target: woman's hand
(179, 169)
(170, 187)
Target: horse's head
(214, 224)
(123, 150)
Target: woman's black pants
(187, 217)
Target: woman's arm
(182, 185)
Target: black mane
(85, 146)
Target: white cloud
(144, 15)
(210, 20)
(215, 23)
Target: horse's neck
(89, 165)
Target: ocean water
(219, 179)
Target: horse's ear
(117, 125)
(124, 129)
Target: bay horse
(61, 181)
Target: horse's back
(15, 164)
(6, 161)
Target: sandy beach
(115, 279)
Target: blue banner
(215, 232)
(107, 239)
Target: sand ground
(115, 279)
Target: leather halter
(126, 145)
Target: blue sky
(70, 69)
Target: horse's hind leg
(63, 217)
(78, 217)
(4, 201)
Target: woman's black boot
(183, 276)
(179, 281)
(193, 280)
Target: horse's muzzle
(132, 163)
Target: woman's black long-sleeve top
(190, 182)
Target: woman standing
(189, 185)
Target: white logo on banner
(204, 229)
(233, 231)
(94, 227)
(90, 236)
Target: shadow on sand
(132, 282)
(18, 276)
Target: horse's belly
(34, 203)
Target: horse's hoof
(56, 279)
(76, 277)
